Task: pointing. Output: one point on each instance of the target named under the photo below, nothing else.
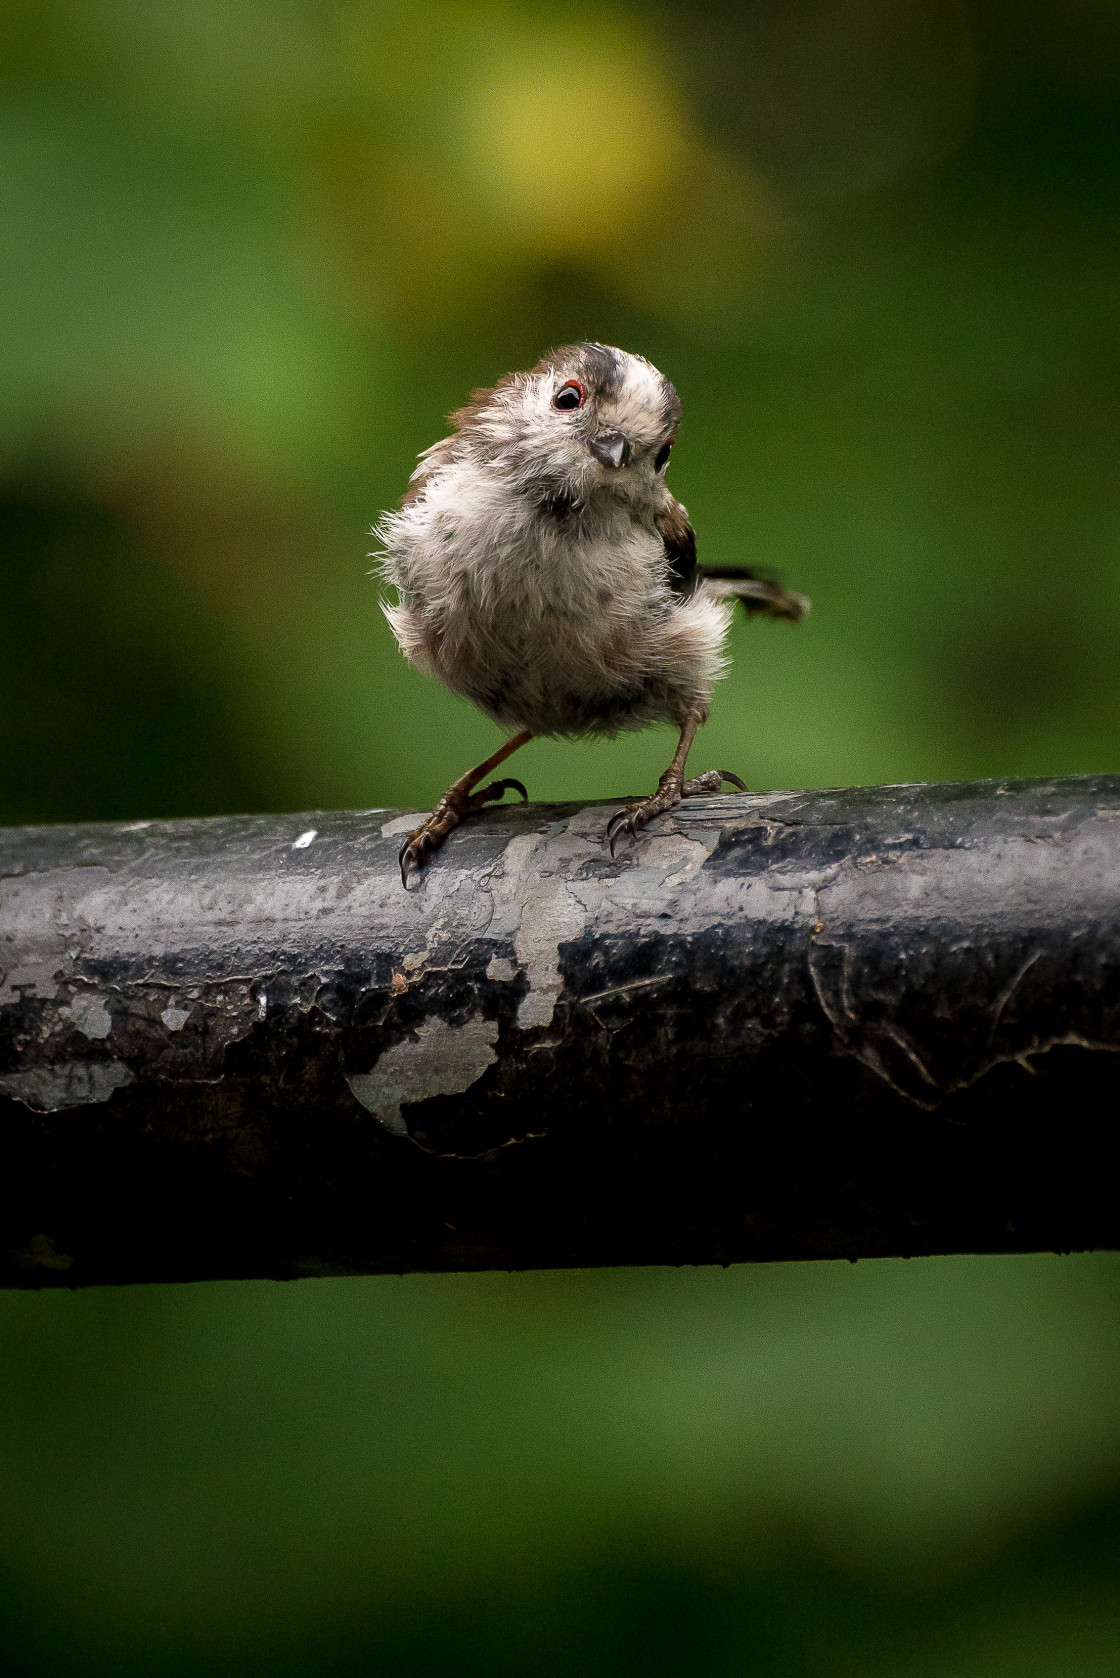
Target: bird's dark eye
(662, 455)
(569, 396)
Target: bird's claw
(711, 781)
(635, 817)
(413, 853)
(448, 813)
(621, 822)
(496, 789)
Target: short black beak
(611, 448)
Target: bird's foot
(670, 791)
(711, 781)
(456, 803)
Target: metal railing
(794, 1025)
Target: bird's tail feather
(757, 591)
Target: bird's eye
(569, 396)
(662, 455)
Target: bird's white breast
(557, 624)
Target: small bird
(545, 572)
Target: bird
(544, 571)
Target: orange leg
(458, 801)
(672, 786)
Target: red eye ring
(562, 401)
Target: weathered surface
(792, 1025)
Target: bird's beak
(611, 448)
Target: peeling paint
(34, 978)
(548, 915)
(89, 1014)
(550, 890)
(400, 825)
(75, 1083)
(441, 1059)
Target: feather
(757, 591)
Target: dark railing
(795, 1025)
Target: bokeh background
(250, 255)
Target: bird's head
(588, 422)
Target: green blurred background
(250, 255)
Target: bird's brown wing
(680, 548)
(757, 590)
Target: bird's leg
(672, 786)
(458, 801)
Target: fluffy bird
(545, 572)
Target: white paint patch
(305, 839)
(540, 902)
(550, 916)
(402, 824)
(682, 859)
(262, 1005)
(442, 1059)
(89, 1014)
(78, 1083)
(134, 827)
(37, 978)
(501, 968)
(175, 1018)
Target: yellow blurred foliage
(549, 142)
(573, 137)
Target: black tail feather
(758, 591)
